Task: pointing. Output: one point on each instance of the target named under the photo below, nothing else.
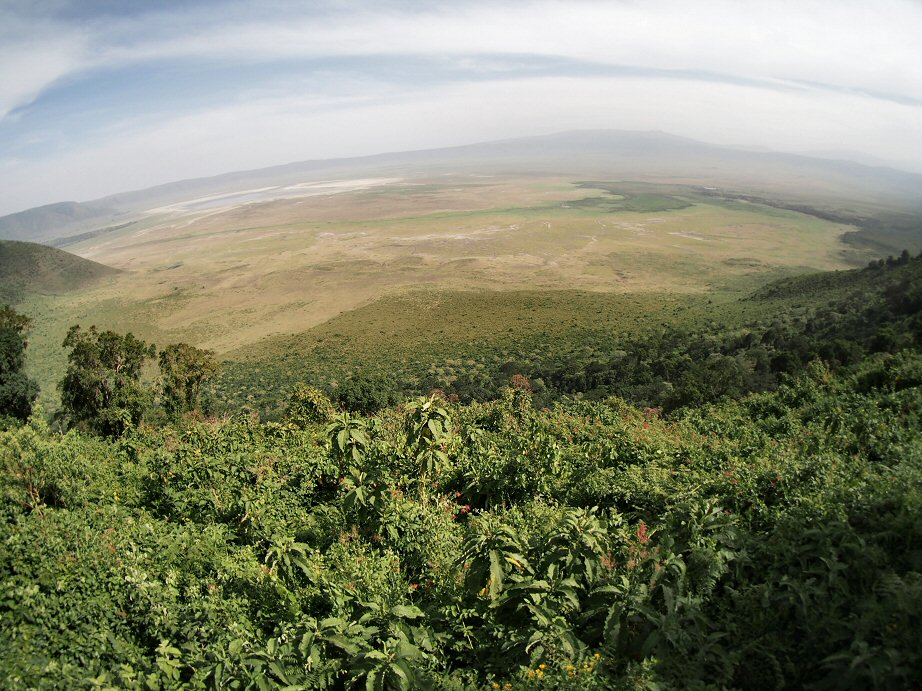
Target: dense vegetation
(749, 540)
(672, 353)
(17, 391)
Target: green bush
(768, 540)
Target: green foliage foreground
(17, 391)
(774, 541)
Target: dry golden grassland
(224, 276)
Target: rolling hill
(27, 267)
(226, 262)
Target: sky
(104, 96)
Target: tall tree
(184, 370)
(102, 388)
(17, 391)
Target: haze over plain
(101, 97)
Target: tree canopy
(184, 370)
(101, 389)
(17, 391)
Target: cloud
(183, 89)
(846, 43)
(32, 58)
(301, 127)
(849, 44)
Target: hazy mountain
(600, 154)
(52, 220)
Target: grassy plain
(488, 252)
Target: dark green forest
(726, 502)
(692, 356)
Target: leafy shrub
(309, 405)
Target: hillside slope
(650, 349)
(762, 541)
(26, 267)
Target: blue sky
(102, 96)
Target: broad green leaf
(375, 680)
(407, 611)
(403, 674)
(279, 672)
(496, 573)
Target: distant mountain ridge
(602, 154)
(40, 222)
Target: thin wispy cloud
(193, 90)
